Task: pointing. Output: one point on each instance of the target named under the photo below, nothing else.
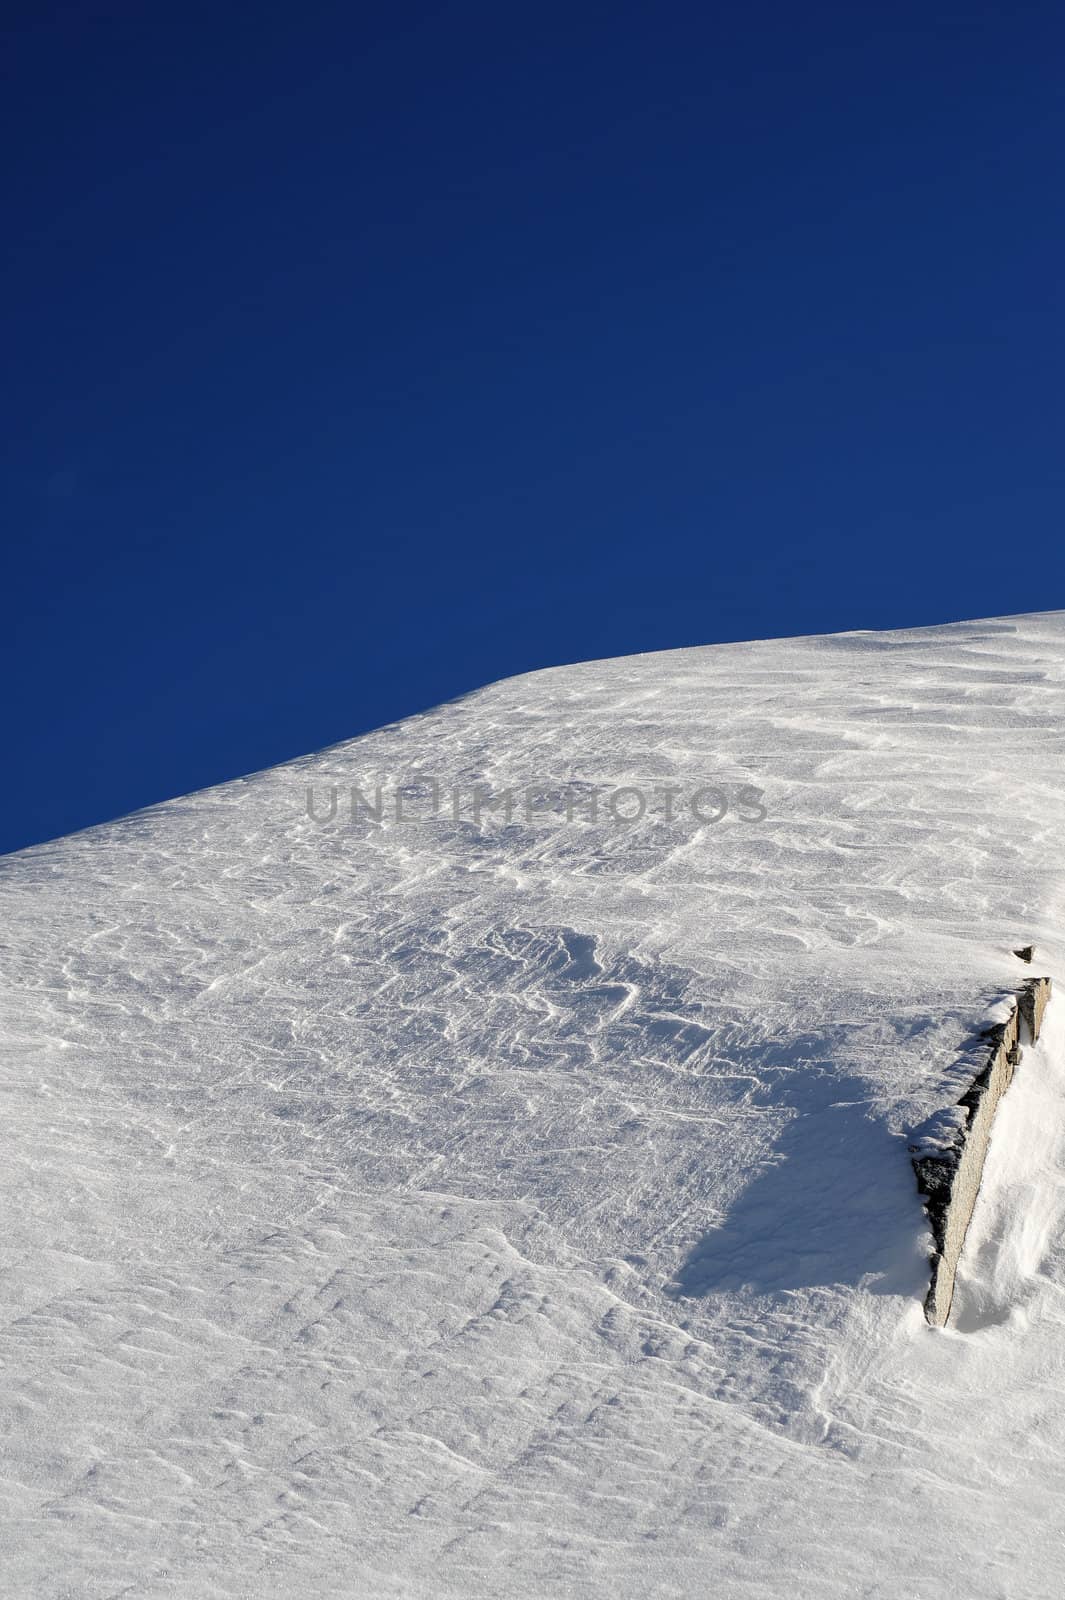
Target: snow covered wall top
(521, 1205)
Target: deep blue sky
(360, 356)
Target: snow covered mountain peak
(511, 1194)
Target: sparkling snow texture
(523, 1209)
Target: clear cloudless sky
(357, 356)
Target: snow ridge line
(949, 1160)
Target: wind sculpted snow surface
(523, 1208)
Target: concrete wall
(949, 1180)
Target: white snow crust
(432, 1209)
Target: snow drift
(522, 1204)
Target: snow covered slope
(453, 1208)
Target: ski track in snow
(438, 1210)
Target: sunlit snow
(523, 1208)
